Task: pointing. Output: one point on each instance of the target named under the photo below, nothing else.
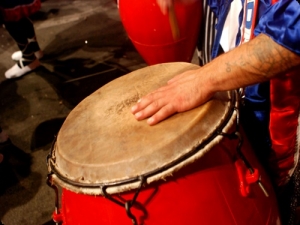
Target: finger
(150, 109)
(143, 103)
(164, 112)
(137, 107)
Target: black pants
(21, 31)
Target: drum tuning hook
(247, 178)
(252, 174)
(127, 204)
(57, 215)
(130, 203)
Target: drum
(193, 168)
(151, 32)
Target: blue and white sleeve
(281, 22)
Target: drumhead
(101, 143)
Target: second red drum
(151, 33)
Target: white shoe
(16, 56)
(17, 71)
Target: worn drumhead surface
(101, 142)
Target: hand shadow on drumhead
(141, 207)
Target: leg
(23, 33)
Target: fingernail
(150, 120)
(138, 115)
(133, 108)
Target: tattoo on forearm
(263, 58)
(228, 67)
(270, 58)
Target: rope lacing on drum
(128, 204)
(49, 180)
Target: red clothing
(11, 11)
(284, 125)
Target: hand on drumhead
(182, 93)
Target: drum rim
(60, 178)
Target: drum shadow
(82, 77)
(16, 164)
(10, 101)
(19, 194)
(45, 133)
(82, 62)
(75, 79)
(15, 190)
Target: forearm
(253, 62)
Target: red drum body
(182, 171)
(151, 34)
(207, 193)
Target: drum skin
(151, 34)
(206, 192)
(101, 144)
